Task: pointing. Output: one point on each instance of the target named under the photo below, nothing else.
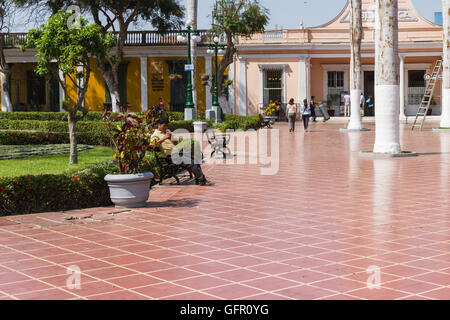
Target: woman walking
(306, 114)
(291, 111)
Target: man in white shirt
(347, 100)
(362, 104)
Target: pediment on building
(407, 15)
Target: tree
(71, 49)
(117, 16)
(236, 18)
(53, 5)
(6, 12)
(355, 64)
(387, 89)
(445, 119)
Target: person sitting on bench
(163, 138)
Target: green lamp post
(216, 49)
(189, 35)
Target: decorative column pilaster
(402, 88)
(303, 79)
(242, 86)
(144, 84)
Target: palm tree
(387, 88)
(355, 64)
(445, 119)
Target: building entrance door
(178, 87)
(369, 91)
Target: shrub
(71, 191)
(51, 126)
(42, 193)
(44, 138)
(62, 116)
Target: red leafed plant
(129, 136)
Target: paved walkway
(309, 232)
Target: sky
(283, 13)
(288, 13)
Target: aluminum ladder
(421, 115)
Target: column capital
(402, 56)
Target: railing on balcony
(134, 38)
(273, 36)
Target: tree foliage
(117, 16)
(70, 48)
(237, 18)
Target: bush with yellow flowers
(272, 109)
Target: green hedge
(62, 116)
(236, 122)
(51, 126)
(42, 193)
(63, 192)
(44, 138)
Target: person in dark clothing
(306, 114)
(312, 104)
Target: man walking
(347, 101)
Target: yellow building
(153, 68)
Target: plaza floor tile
(311, 231)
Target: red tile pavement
(309, 232)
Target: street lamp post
(190, 35)
(216, 49)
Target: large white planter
(129, 190)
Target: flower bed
(27, 151)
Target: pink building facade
(285, 64)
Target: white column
(231, 89)
(387, 89)
(355, 65)
(62, 93)
(208, 70)
(4, 104)
(192, 9)
(402, 88)
(242, 86)
(144, 84)
(302, 80)
(445, 118)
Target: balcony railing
(134, 38)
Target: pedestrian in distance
(291, 111)
(306, 114)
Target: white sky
(283, 13)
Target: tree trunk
(73, 139)
(387, 88)
(5, 91)
(445, 119)
(111, 77)
(355, 64)
(192, 9)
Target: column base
(217, 113)
(403, 154)
(354, 130)
(189, 114)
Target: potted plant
(129, 136)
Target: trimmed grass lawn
(54, 164)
